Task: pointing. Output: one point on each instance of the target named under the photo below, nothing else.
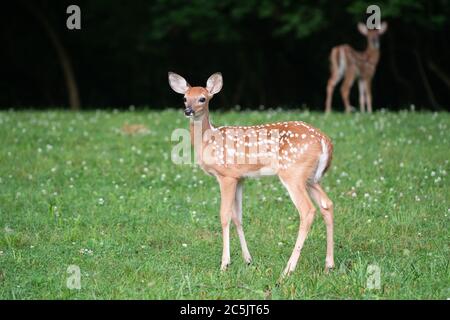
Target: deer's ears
(178, 83)
(383, 27)
(214, 83)
(362, 28)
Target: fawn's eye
(202, 100)
(184, 99)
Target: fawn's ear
(383, 27)
(178, 83)
(362, 28)
(214, 83)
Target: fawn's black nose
(188, 111)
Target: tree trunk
(396, 72)
(439, 73)
(425, 81)
(63, 56)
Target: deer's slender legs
(369, 95)
(237, 220)
(334, 78)
(326, 208)
(362, 93)
(227, 194)
(330, 89)
(345, 89)
(299, 195)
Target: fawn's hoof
(329, 268)
(224, 266)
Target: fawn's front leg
(227, 195)
(237, 219)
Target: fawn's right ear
(362, 28)
(178, 83)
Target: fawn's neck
(372, 53)
(198, 127)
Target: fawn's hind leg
(326, 208)
(305, 207)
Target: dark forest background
(271, 52)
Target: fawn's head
(373, 35)
(196, 99)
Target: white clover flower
(85, 251)
(101, 201)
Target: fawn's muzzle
(188, 112)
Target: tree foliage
(271, 52)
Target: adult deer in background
(295, 151)
(350, 64)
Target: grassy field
(75, 190)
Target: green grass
(75, 190)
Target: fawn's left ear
(383, 27)
(214, 83)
